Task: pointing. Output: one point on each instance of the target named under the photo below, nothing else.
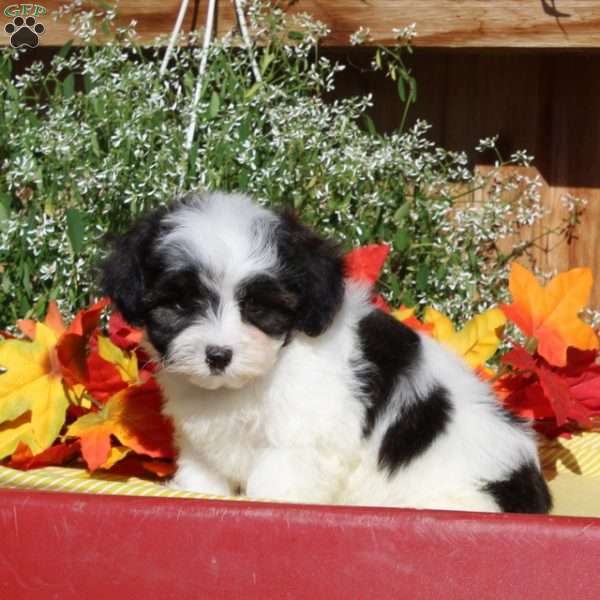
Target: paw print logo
(24, 32)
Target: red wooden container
(69, 546)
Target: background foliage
(96, 137)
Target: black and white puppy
(283, 381)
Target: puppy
(284, 381)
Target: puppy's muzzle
(217, 358)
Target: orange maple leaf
(550, 314)
(132, 416)
(53, 320)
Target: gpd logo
(24, 30)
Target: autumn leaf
(134, 465)
(80, 352)
(407, 316)
(476, 342)
(53, 320)
(115, 454)
(442, 327)
(124, 361)
(58, 454)
(73, 346)
(550, 314)
(365, 264)
(547, 394)
(134, 417)
(122, 334)
(32, 383)
(15, 432)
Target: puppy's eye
(253, 305)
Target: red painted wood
(89, 547)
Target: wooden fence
(528, 70)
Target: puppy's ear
(124, 272)
(314, 270)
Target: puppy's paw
(289, 476)
(200, 480)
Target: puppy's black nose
(218, 357)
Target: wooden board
(448, 23)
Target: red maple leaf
(59, 454)
(79, 359)
(122, 334)
(570, 393)
(365, 264)
(133, 416)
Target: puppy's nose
(218, 357)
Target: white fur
(285, 421)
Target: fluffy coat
(285, 382)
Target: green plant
(96, 137)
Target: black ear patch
(313, 269)
(129, 265)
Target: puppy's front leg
(195, 476)
(294, 475)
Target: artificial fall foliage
(82, 393)
(550, 314)
(73, 391)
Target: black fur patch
(525, 491)
(312, 269)
(173, 302)
(130, 264)
(418, 425)
(266, 304)
(136, 278)
(392, 350)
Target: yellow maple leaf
(31, 382)
(126, 362)
(13, 432)
(116, 454)
(403, 313)
(476, 342)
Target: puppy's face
(220, 285)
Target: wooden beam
(441, 23)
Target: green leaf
(413, 90)
(213, 108)
(88, 84)
(296, 35)
(75, 229)
(5, 68)
(402, 240)
(252, 90)
(95, 145)
(266, 60)
(188, 81)
(68, 85)
(401, 89)
(441, 272)
(244, 130)
(408, 298)
(12, 91)
(422, 277)
(402, 212)
(26, 277)
(369, 124)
